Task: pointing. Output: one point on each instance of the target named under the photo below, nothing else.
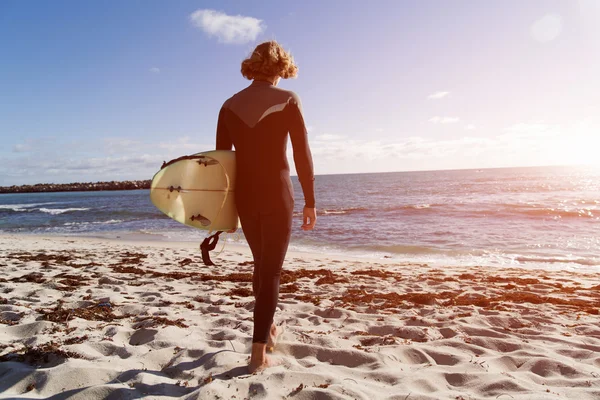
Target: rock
(77, 187)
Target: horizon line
(334, 174)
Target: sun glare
(579, 147)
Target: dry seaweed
(331, 278)
(185, 261)
(378, 341)
(42, 354)
(86, 265)
(233, 277)
(187, 305)
(121, 269)
(316, 300)
(515, 280)
(297, 390)
(34, 277)
(73, 283)
(245, 263)
(128, 254)
(97, 312)
(293, 276)
(241, 292)
(41, 257)
(9, 322)
(376, 273)
(289, 288)
(76, 340)
(172, 275)
(153, 321)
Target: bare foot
(260, 365)
(258, 358)
(272, 337)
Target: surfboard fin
(203, 220)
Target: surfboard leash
(206, 246)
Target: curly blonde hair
(269, 60)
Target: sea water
(529, 217)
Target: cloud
(63, 160)
(444, 120)
(120, 158)
(521, 144)
(229, 29)
(22, 147)
(120, 145)
(438, 95)
(531, 131)
(64, 168)
(328, 136)
(182, 146)
(589, 11)
(342, 154)
(31, 145)
(547, 28)
(155, 70)
(174, 147)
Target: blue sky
(108, 90)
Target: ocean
(524, 217)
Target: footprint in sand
(142, 336)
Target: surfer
(257, 122)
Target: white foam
(56, 211)
(22, 207)
(112, 221)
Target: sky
(108, 90)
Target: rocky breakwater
(76, 187)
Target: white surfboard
(198, 190)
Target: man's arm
(223, 137)
(302, 154)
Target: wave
(401, 249)
(137, 215)
(416, 208)
(343, 210)
(501, 210)
(22, 207)
(56, 211)
(558, 214)
(336, 211)
(540, 210)
(112, 221)
(580, 261)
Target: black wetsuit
(257, 121)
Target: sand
(85, 318)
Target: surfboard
(198, 190)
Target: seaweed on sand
(96, 312)
(42, 354)
(240, 292)
(154, 321)
(33, 277)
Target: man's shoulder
(285, 94)
(277, 94)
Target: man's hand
(309, 218)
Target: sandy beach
(85, 318)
